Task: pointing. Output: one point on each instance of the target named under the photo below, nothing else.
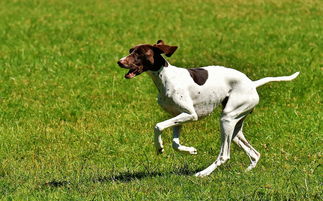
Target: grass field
(72, 128)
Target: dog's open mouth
(133, 70)
(132, 73)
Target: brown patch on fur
(199, 75)
(166, 49)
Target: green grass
(72, 128)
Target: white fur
(187, 101)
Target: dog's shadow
(125, 177)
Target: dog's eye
(131, 50)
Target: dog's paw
(201, 174)
(160, 151)
(250, 167)
(184, 149)
(192, 150)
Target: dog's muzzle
(133, 70)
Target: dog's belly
(204, 109)
(201, 109)
(205, 100)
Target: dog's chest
(168, 105)
(166, 99)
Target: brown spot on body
(199, 75)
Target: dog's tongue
(130, 74)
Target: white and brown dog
(190, 94)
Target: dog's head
(146, 57)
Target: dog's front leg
(158, 141)
(176, 144)
(181, 118)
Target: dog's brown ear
(160, 42)
(165, 49)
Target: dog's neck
(159, 77)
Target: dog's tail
(265, 80)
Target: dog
(191, 94)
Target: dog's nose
(120, 63)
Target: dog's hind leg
(229, 129)
(239, 105)
(176, 144)
(252, 153)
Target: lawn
(72, 128)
